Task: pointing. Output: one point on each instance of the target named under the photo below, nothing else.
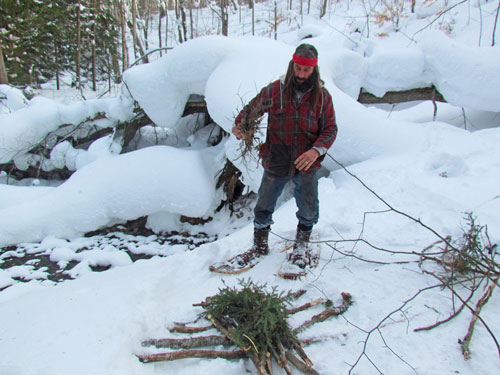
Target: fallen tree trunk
(394, 97)
(73, 135)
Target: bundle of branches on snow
(255, 321)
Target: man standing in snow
(301, 127)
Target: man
(301, 127)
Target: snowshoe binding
(248, 259)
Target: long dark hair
(304, 50)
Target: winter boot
(299, 256)
(260, 246)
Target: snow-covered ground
(435, 171)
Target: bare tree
(125, 60)
(161, 12)
(78, 44)
(191, 18)
(323, 8)
(134, 26)
(182, 12)
(180, 16)
(252, 5)
(224, 17)
(495, 26)
(3, 70)
(96, 5)
(114, 7)
(275, 20)
(166, 23)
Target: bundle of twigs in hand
(248, 126)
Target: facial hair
(304, 84)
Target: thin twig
(377, 327)
(473, 311)
(186, 329)
(438, 17)
(465, 342)
(456, 313)
(327, 313)
(418, 221)
(305, 306)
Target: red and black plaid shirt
(292, 128)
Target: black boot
(299, 255)
(260, 246)
(261, 240)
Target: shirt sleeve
(328, 126)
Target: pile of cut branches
(471, 263)
(255, 321)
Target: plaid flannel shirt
(292, 128)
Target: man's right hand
(237, 132)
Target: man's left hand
(304, 161)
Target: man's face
(302, 72)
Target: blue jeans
(305, 194)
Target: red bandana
(306, 61)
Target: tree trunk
(393, 97)
(182, 11)
(495, 26)
(141, 50)
(134, 26)
(166, 24)
(159, 30)
(146, 33)
(191, 18)
(323, 8)
(113, 52)
(3, 71)
(178, 18)
(56, 60)
(224, 17)
(94, 36)
(124, 38)
(275, 20)
(253, 16)
(78, 46)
